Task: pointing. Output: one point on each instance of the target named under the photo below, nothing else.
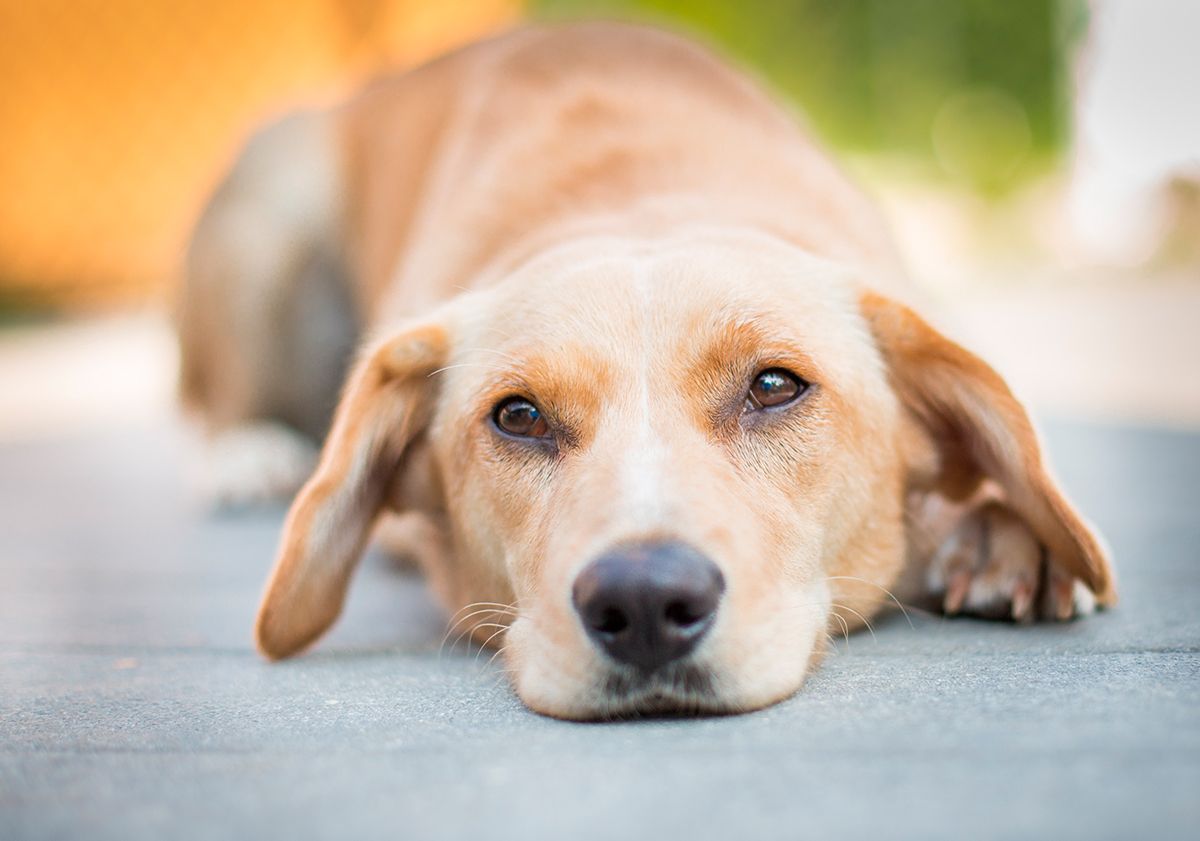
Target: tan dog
(633, 371)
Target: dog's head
(668, 459)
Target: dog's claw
(957, 587)
(1022, 601)
(1062, 590)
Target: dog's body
(576, 249)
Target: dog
(636, 371)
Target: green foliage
(976, 90)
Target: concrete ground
(133, 706)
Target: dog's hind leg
(266, 317)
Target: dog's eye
(774, 387)
(518, 416)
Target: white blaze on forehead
(645, 462)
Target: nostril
(682, 614)
(611, 621)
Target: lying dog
(636, 369)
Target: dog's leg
(266, 319)
(254, 463)
(991, 565)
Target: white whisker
(476, 608)
(845, 629)
(886, 591)
(464, 365)
(488, 641)
(864, 619)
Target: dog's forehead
(626, 296)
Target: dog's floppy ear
(978, 430)
(386, 403)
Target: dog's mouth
(680, 689)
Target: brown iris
(517, 416)
(774, 387)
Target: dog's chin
(624, 693)
(680, 690)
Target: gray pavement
(132, 704)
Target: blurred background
(1038, 159)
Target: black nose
(647, 604)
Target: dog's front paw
(993, 566)
(255, 464)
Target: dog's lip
(678, 689)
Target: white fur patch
(645, 459)
(255, 464)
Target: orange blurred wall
(116, 117)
